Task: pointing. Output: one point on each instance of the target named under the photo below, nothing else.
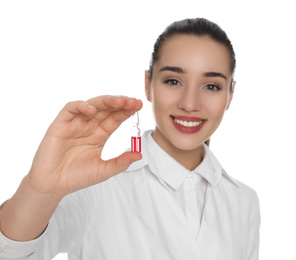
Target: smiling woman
(173, 201)
(190, 85)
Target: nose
(190, 100)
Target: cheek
(216, 107)
(157, 104)
(163, 100)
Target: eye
(172, 82)
(212, 87)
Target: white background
(52, 52)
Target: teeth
(187, 124)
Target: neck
(189, 159)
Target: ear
(231, 95)
(147, 86)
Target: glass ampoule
(136, 134)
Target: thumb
(121, 163)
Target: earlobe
(147, 86)
(231, 94)
(233, 86)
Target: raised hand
(69, 157)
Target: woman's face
(189, 91)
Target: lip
(184, 129)
(188, 118)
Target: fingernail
(90, 106)
(121, 96)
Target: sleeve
(17, 250)
(64, 232)
(254, 231)
(10, 249)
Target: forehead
(194, 53)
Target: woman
(174, 201)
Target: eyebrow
(182, 71)
(173, 69)
(214, 74)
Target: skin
(68, 159)
(69, 156)
(189, 91)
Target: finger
(121, 163)
(74, 108)
(131, 105)
(114, 119)
(90, 107)
(112, 103)
(107, 102)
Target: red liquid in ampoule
(136, 144)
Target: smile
(188, 123)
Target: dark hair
(196, 27)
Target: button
(190, 176)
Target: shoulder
(243, 193)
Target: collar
(171, 172)
(211, 169)
(160, 163)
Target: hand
(69, 157)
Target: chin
(186, 144)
